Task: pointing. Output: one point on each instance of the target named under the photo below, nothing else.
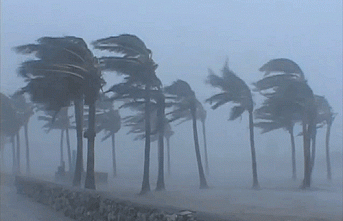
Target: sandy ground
(285, 202)
(229, 196)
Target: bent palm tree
(292, 92)
(65, 71)
(325, 115)
(108, 121)
(235, 90)
(10, 125)
(185, 100)
(137, 65)
(59, 122)
(271, 120)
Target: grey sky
(187, 37)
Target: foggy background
(187, 38)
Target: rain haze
(186, 39)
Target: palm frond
(129, 45)
(179, 88)
(284, 65)
(236, 112)
(268, 126)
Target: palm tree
(185, 100)
(325, 115)
(60, 122)
(108, 121)
(65, 71)
(201, 115)
(158, 124)
(10, 125)
(271, 120)
(292, 91)
(136, 63)
(24, 112)
(235, 90)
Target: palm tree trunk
(294, 169)
(255, 184)
(28, 169)
(61, 149)
(313, 152)
(203, 182)
(114, 156)
(161, 118)
(79, 155)
(168, 154)
(327, 139)
(207, 169)
(18, 153)
(145, 183)
(90, 179)
(307, 156)
(68, 149)
(14, 160)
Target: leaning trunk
(168, 154)
(327, 139)
(114, 156)
(145, 183)
(161, 118)
(207, 169)
(18, 153)
(79, 154)
(68, 149)
(203, 183)
(90, 179)
(253, 153)
(294, 169)
(28, 169)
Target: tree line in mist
(62, 72)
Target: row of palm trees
(15, 114)
(65, 71)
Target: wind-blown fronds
(64, 68)
(10, 122)
(284, 65)
(233, 88)
(129, 45)
(179, 88)
(268, 126)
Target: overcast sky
(188, 37)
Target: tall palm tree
(65, 71)
(134, 60)
(61, 121)
(158, 124)
(108, 121)
(235, 90)
(24, 112)
(292, 91)
(10, 125)
(325, 115)
(185, 100)
(272, 120)
(201, 116)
